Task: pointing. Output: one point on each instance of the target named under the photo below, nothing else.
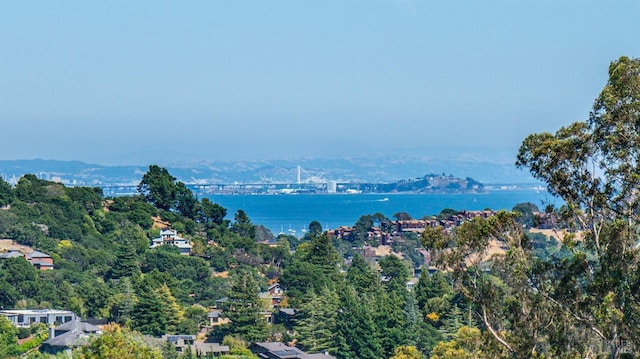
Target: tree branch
(492, 331)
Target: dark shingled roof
(75, 333)
(77, 325)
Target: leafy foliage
(117, 342)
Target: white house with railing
(27, 317)
(170, 237)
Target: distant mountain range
(362, 170)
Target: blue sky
(138, 82)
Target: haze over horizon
(117, 82)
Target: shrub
(23, 333)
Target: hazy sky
(141, 82)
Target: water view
(291, 214)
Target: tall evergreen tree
(395, 273)
(244, 310)
(389, 319)
(6, 192)
(433, 293)
(242, 225)
(171, 309)
(158, 188)
(126, 264)
(123, 301)
(323, 254)
(169, 351)
(356, 332)
(147, 315)
(362, 277)
(316, 322)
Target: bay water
(291, 214)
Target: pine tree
(389, 319)
(147, 316)
(245, 310)
(412, 319)
(171, 309)
(356, 333)
(362, 277)
(169, 351)
(122, 303)
(316, 326)
(323, 254)
(126, 264)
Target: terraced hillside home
(170, 237)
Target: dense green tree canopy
(158, 187)
(117, 342)
(245, 310)
(6, 192)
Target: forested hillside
(104, 268)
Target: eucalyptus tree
(584, 299)
(594, 167)
(495, 285)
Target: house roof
(71, 338)
(282, 351)
(37, 254)
(287, 353)
(288, 311)
(68, 339)
(273, 346)
(11, 254)
(78, 326)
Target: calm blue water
(289, 213)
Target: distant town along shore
(427, 184)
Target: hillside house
(26, 317)
(170, 237)
(12, 253)
(69, 335)
(215, 318)
(273, 295)
(41, 261)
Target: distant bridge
(113, 190)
